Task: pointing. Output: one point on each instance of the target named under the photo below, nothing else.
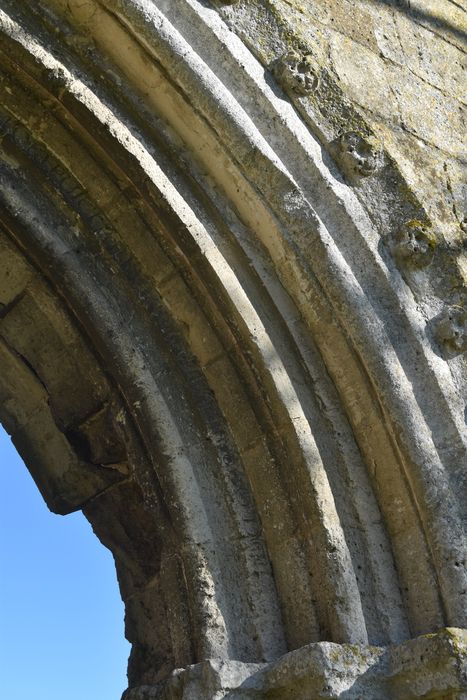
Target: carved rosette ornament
(452, 329)
(414, 244)
(295, 73)
(358, 156)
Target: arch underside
(205, 347)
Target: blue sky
(61, 616)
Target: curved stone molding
(209, 351)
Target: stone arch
(209, 348)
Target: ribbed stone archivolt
(251, 413)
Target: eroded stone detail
(414, 244)
(98, 440)
(325, 670)
(231, 306)
(357, 155)
(295, 73)
(451, 331)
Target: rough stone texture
(433, 666)
(400, 66)
(233, 330)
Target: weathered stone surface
(357, 155)
(452, 329)
(232, 329)
(295, 73)
(414, 244)
(433, 666)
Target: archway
(211, 349)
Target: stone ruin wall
(233, 329)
